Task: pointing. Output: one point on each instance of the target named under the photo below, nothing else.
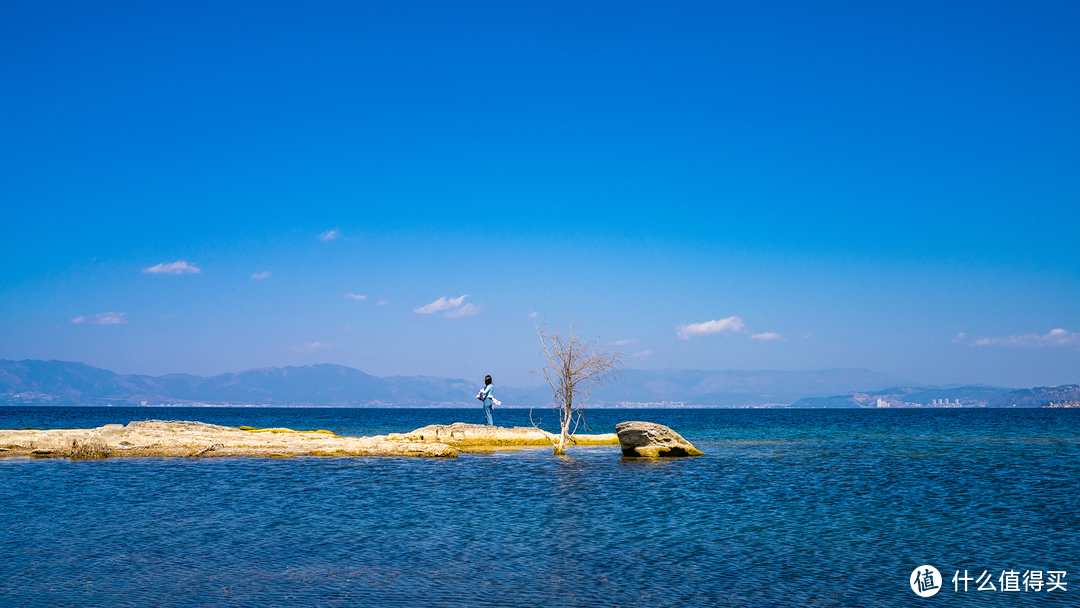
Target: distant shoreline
(527, 407)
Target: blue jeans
(488, 405)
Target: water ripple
(796, 507)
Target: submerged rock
(650, 440)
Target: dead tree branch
(573, 366)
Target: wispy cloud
(623, 342)
(467, 310)
(103, 318)
(533, 315)
(441, 304)
(180, 267)
(731, 324)
(642, 355)
(959, 338)
(259, 276)
(382, 302)
(1056, 337)
(769, 336)
(329, 235)
(355, 296)
(312, 347)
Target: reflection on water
(804, 507)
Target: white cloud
(959, 338)
(180, 267)
(685, 332)
(533, 315)
(312, 347)
(382, 302)
(1056, 337)
(329, 235)
(103, 318)
(259, 276)
(623, 342)
(643, 354)
(441, 304)
(355, 296)
(769, 336)
(467, 310)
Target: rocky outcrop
(461, 434)
(160, 438)
(649, 440)
(178, 438)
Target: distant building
(882, 403)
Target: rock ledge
(187, 439)
(181, 438)
(461, 434)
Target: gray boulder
(649, 440)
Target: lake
(797, 507)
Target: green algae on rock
(188, 439)
(460, 434)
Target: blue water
(791, 507)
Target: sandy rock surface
(461, 434)
(163, 438)
(185, 439)
(650, 440)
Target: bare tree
(573, 366)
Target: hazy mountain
(59, 382)
(1038, 396)
(69, 383)
(735, 388)
(971, 396)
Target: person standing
(489, 400)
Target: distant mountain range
(69, 383)
(964, 396)
(969, 396)
(1038, 397)
(736, 388)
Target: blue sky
(835, 185)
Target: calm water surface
(798, 507)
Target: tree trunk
(564, 424)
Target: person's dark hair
(487, 380)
